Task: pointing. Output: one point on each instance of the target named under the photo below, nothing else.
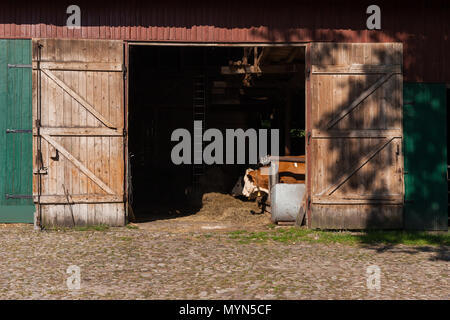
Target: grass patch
(408, 238)
(295, 234)
(131, 226)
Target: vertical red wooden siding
(422, 26)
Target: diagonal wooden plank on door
(360, 99)
(78, 98)
(344, 177)
(78, 164)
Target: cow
(255, 183)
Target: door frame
(308, 104)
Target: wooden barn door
(78, 128)
(355, 139)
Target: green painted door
(425, 153)
(16, 204)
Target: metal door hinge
(309, 137)
(20, 65)
(18, 131)
(18, 196)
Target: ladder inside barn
(199, 113)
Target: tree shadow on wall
(357, 168)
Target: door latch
(43, 170)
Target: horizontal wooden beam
(359, 199)
(299, 159)
(323, 134)
(80, 131)
(282, 68)
(356, 201)
(356, 69)
(73, 199)
(79, 66)
(217, 44)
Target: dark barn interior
(226, 88)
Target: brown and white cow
(256, 181)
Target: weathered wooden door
(355, 143)
(78, 127)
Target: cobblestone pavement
(122, 263)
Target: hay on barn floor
(224, 207)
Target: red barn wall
(422, 26)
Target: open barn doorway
(225, 88)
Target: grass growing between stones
(295, 234)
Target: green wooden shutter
(425, 153)
(16, 203)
